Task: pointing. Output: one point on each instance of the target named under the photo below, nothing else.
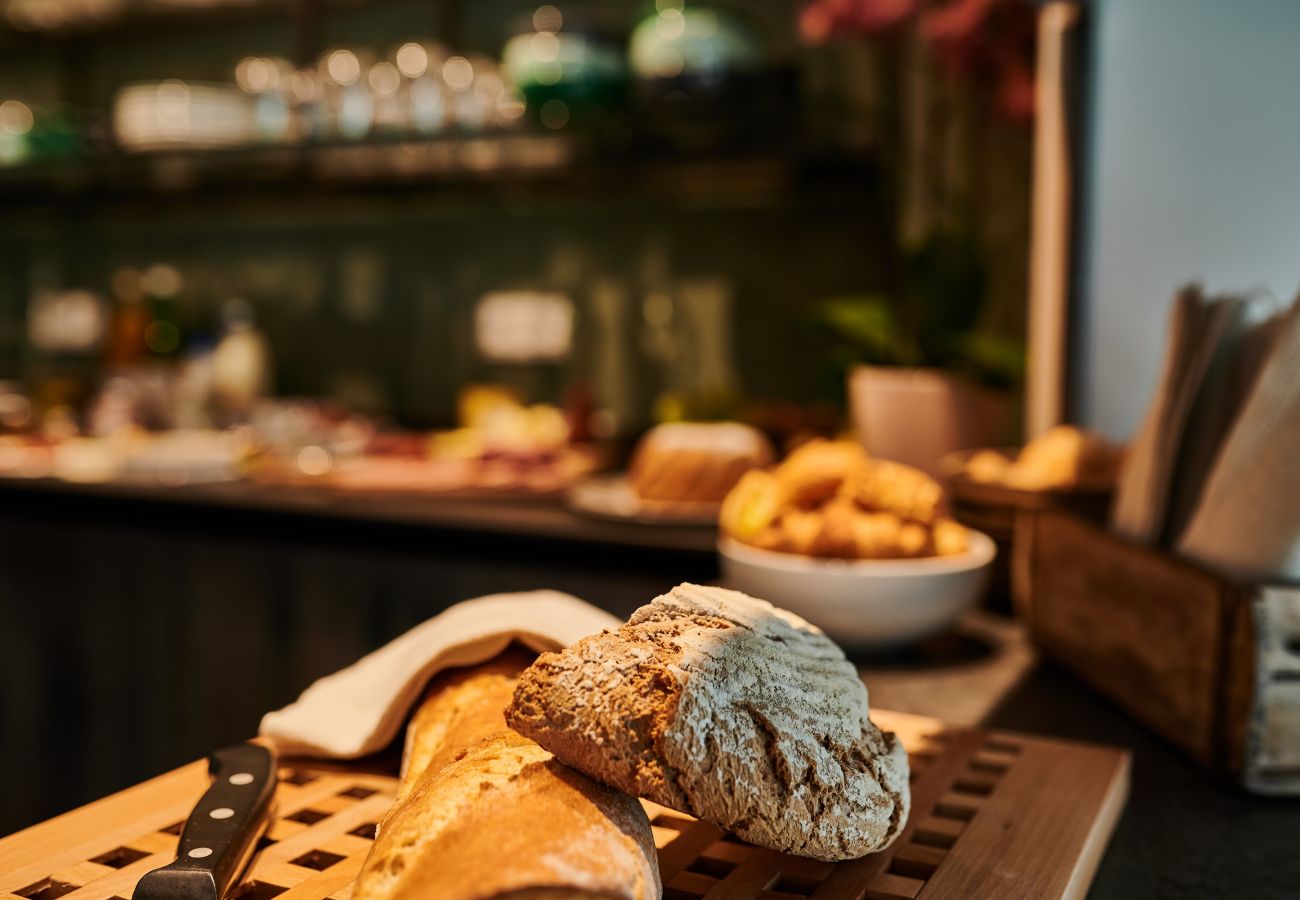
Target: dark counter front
(144, 626)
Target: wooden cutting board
(994, 815)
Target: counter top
(1185, 832)
(543, 518)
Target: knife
(221, 833)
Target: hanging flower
(1016, 96)
(823, 19)
(988, 41)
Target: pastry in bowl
(861, 547)
(830, 499)
(695, 462)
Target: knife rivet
(200, 852)
(222, 812)
(241, 778)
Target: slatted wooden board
(993, 815)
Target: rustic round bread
(722, 706)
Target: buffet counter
(504, 516)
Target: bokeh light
(554, 114)
(343, 68)
(458, 73)
(412, 60)
(545, 46)
(305, 85)
(547, 19)
(161, 280)
(385, 79)
(16, 117)
(255, 74)
(670, 24)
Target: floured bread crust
(722, 706)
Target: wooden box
(996, 510)
(1211, 665)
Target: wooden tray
(993, 815)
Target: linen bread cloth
(359, 710)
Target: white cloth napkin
(1247, 522)
(359, 710)
(1197, 325)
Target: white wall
(1194, 174)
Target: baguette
(483, 812)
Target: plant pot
(919, 416)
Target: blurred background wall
(364, 257)
(1184, 92)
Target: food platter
(610, 497)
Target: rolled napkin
(481, 811)
(1198, 326)
(1247, 521)
(359, 710)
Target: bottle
(125, 344)
(241, 364)
(162, 336)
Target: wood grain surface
(993, 815)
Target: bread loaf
(726, 708)
(695, 462)
(483, 812)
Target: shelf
(159, 18)
(577, 164)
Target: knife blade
(222, 831)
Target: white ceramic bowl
(868, 603)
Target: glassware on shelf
(16, 121)
(158, 115)
(267, 80)
(566, 71)
(694, 41)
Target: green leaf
(990, 358)
(944, 289)
(870, 325)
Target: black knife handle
(221, 833)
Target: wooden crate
(994, 815)
(1001, 512)
(1211, 665)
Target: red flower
(958, 33)
(991, 41)
(1016, 95)
(821, 19)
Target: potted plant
(923, 379)
(928, 370)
